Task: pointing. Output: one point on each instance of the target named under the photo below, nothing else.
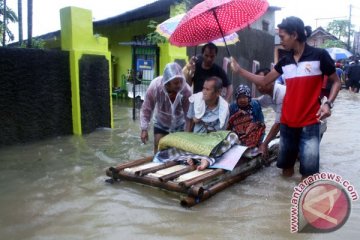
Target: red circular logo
(325, 206)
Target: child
(246, 118)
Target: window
(265, 25)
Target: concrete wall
(35, 95)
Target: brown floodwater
(56, 189)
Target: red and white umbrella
(167, 27)
(212, 19)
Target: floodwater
(55, 189)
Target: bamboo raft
(194, 186)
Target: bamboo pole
(122, 166)
(152, 181)
(176, 174)
(202, 178)
(156, 168)
(240, 173)
(196, 190)
(205, 194)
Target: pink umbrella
(212, 19)
(167, 27)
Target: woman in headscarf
(246, 117)
(167, 96)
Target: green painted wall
(124, 32)
(78, 39)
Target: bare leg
(303, 177)
(157, 138)
(203, 164)
(190, 161)
(288, 172)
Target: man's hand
(191, 65)
(144, 136)
(196, 120)
(235, 67)
(189, 70)
(264, 149)
(323, 112)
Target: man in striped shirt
(303, 70)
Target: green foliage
(154, 37)
(10, 17)
(340, 28)
(38, 43)
(181, 7)
(333, 43)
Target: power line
(328, 18)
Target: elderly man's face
(209, 93)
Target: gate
(145, 67)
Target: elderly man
(169, 96)
(208, 112)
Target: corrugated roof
(152, 10)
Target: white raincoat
(168, 116)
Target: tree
(10, 16)
(29, 23)
(20, 22)
(154, 37)
(333, 43)
(4, 23)
(339, 28)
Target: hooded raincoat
(168, 116)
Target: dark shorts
(303, 142)
(160, 131)
(354, 83)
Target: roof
(322, 32)
(152, 10)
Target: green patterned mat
(208, 144)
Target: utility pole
(4, 26)
(349, 33)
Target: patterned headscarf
(244, 90)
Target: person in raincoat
(168, 98)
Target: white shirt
(275, 102)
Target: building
(319, 36)
(126, 34)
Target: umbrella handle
(221, 31)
